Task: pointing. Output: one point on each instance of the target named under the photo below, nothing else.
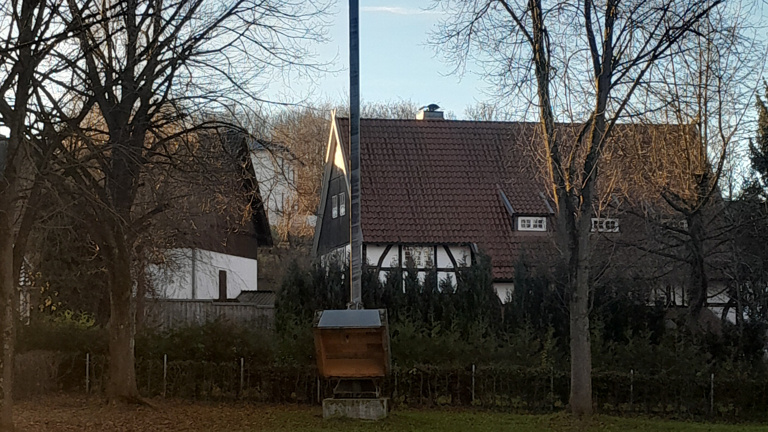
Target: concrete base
(364, 409)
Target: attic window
(335, 206)
(680, 224)
(342, 204)
(605, 225)
(531, 223)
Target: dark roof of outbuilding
(261, 297)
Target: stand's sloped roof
(444, 182)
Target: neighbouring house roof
(261, 298)
(235, 228)
(461, 182)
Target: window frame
(529, 223)
(342, 204)
(599, 225)
(334, 206)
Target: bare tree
(708, 87)
(31, 30)
(584, 63)
(156, 71)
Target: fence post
(165, 374)
(87, 373)
(473, 382)
(318, 389)
(242, 375)
(631, 389)
(552, 388)
(712, 394)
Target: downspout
(194, 273)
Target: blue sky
(395, 61)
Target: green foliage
(64, 331)
(215, 341)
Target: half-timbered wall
(444, 258)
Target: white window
(681, 224)
(335, 206)
(605, 225)
(342, 205)
(530, 223)
(422, 256)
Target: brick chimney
(430, 112)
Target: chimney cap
(429, 112)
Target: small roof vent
(430, 112)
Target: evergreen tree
(759, 147)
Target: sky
(396, 62)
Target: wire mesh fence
(699, 394)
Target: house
(434, 193)
(213, 269)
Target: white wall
(504, 290)
(462, 255)
(174, 281)
(277, 183)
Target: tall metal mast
(356, 235)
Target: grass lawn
(74, 413)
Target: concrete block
(364, 409)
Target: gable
(332, 229)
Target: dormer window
(531, 223)
(605, 225)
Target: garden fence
(700, 394)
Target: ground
(76, 413)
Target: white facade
(504, 290)
(394, 256)
(444, 258)
(277, 183)
(194, 274)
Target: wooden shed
(352, 344)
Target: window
(530, 223)
(342, 205)
(681, 224)
(335, 206)
(605, 225)
(421, 256)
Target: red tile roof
(439, 182)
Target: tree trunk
(581, 355)
(122, 324)
(8, 328)
(7, 297)
(699, 288)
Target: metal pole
(631, 388)
(242, 375)
(87, 373)
(473, 382)
(712, 393)
(552, 388)
(356, 236)
(165, 373)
